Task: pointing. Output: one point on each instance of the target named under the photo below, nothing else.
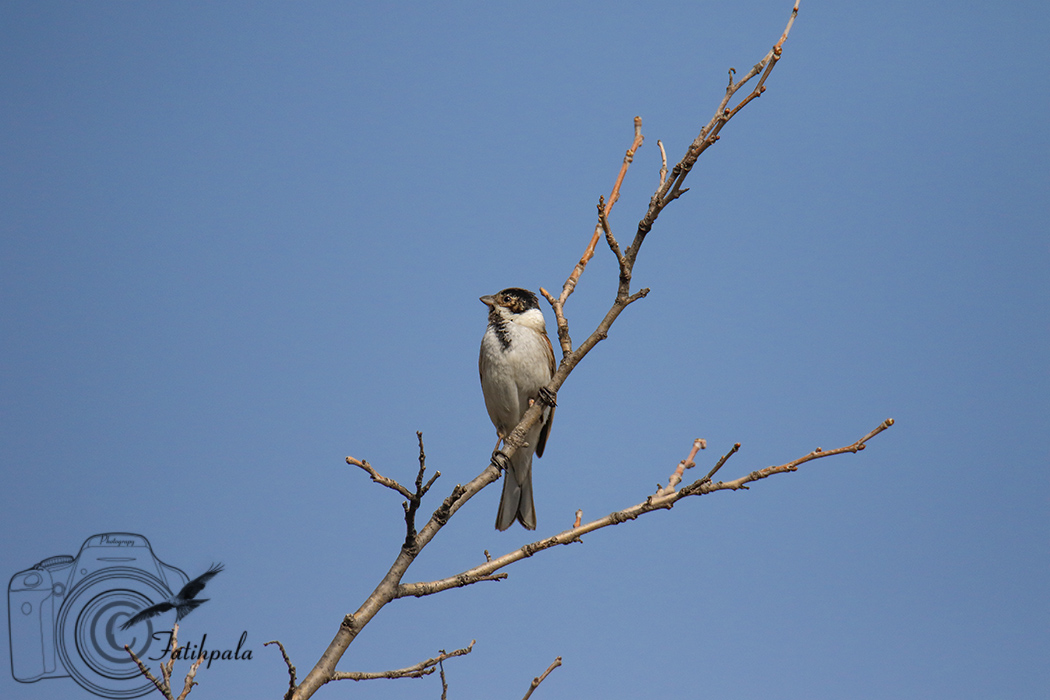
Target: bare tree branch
(570, 284)
(663, 162)
(190, 675)
(167, 667)
(718, 465)
(144, 670)
(288, 663)
(669, 189)
(379, 478)
(423, 589)
(414, 499)
(423, 668)
(687, 463)
(662, 500)
(536, 681)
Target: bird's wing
(544, 432)
(146, 613)
(186, 607)
(191, 589)
(550, 354)
(546, 429)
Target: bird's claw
(548, 397)
(500, 460)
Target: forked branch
(167, 668)
(670, 188)
(663, 499)
(604, 208)
(414, 498)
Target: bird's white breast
(513, 373)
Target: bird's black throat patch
(498, 324)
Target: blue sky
(239, 242)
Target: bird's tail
(516, 501)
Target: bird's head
(516, 305)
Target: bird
(184, 603)
(516, 364)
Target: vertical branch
(663, 162)
(412, 504)
(570, 284)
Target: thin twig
(379, 478)
(536, 681)
(167, 667)
(701, 487)
(423, 668)
(144, 670)
(558, 305)
(721, 461)
(671, 188)
(603, 223)
(687, 463)
(190, 675)
(288, 663)
(411, 504)
(663, 162)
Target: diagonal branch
(705, 486)
(671, 189)
(379, 478)
(722, 461)
(660, 501)
(536, 681)
(144, 670)
(679, 472)
(423, 668)
(390, 587)
(558, 305)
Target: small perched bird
(516, 363)
(184, 603)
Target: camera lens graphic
(90, 641)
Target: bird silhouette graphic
(184, 603)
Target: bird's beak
(488, 300)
